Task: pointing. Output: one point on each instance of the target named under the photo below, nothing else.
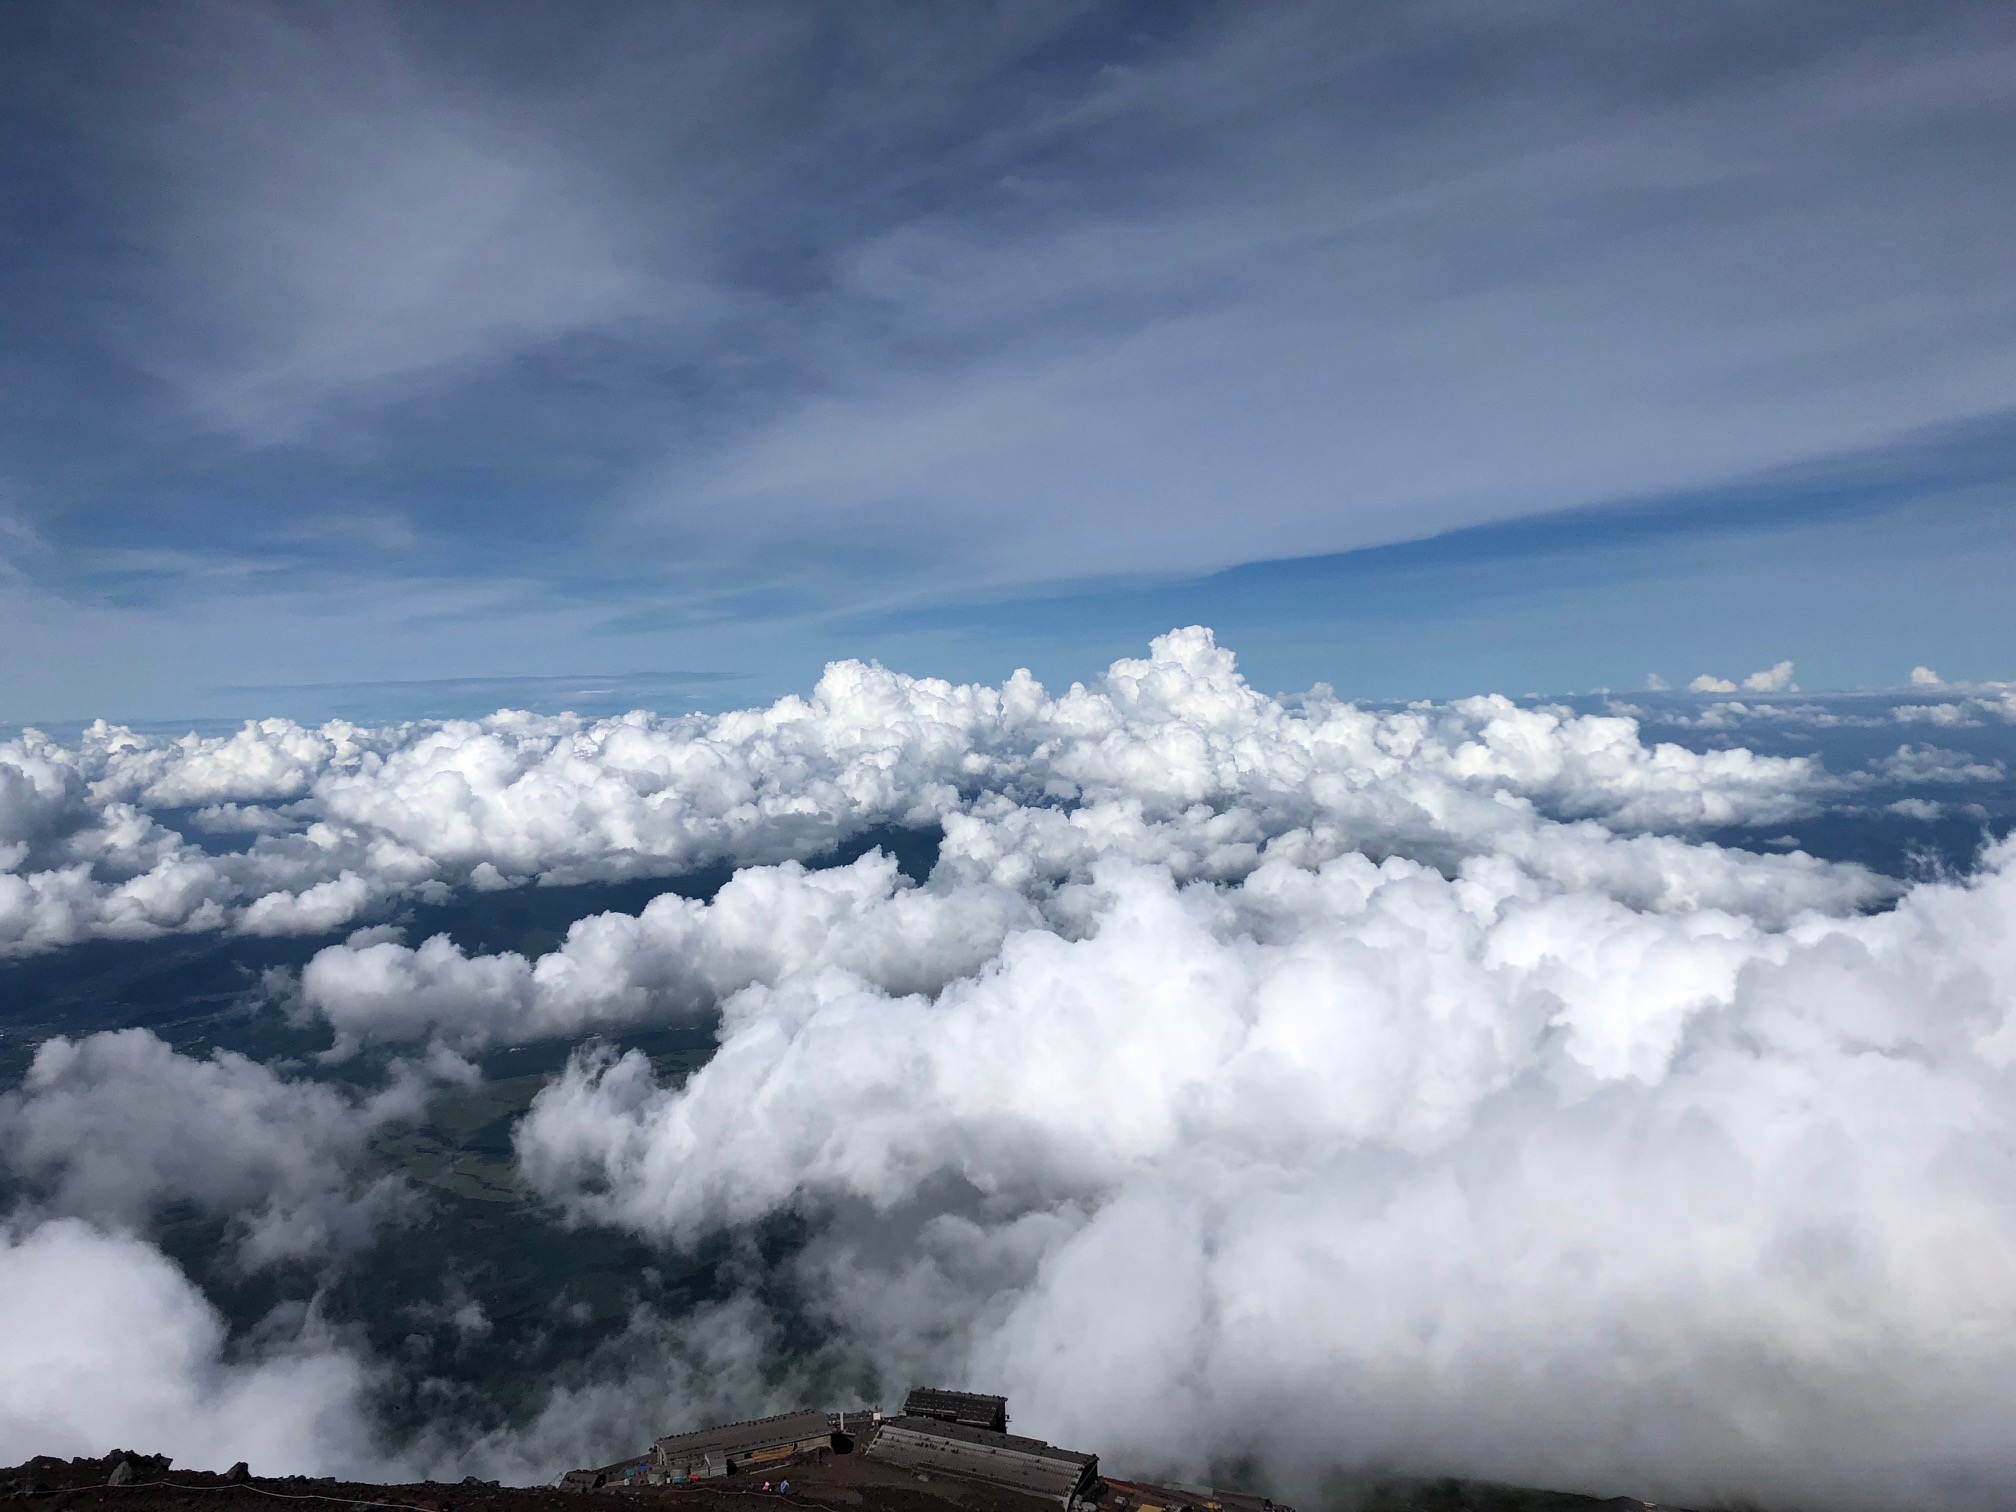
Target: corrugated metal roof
(1025, 1464)
(1147, 1495)
(987, 1438)
(744, 1438)
(1248, 1501)
(968, 1407)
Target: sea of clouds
(1252, 1081)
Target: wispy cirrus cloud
(990, 300)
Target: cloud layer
(346, 821)
(1251, 1080)
(1366, 1165)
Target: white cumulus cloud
(110, 1346)
(345, 822)
(1366, 1164)
(672, 961)
(111, 1126)
(1250, 1078)
(1773, 679)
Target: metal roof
(745, 1438)
(1248, 1501)
(1170, 1498)
(1006, 1459)
(987, 1438)
(968, 1407)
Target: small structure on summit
(967, 1407)
(959, 1436)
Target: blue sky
(369, 357)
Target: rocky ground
(847, 1484)
(127, 1482)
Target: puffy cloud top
(346, 820)
(1362, 1163)
(109, 1345)
(111, 1126)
